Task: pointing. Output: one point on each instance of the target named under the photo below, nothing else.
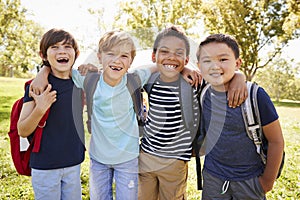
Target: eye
(68, 46)
(206, 61)
(223, 59)
(110, 53)
(179, 53)
(54, 47)
(164, 51)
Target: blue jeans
(124, 174)
(56, 184)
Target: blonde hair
(116, 38)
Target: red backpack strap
(38, 132)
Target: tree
(280, 80)
(258, 26)
(19, 39)
(143, 18)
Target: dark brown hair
(54, 36)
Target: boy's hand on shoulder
(192, 76)
(237, 91)
(85, 68)
(39, 84)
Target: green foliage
(280, 80)
(145, 17)
(19, 39)
(257, 26)
(14, 186)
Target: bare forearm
(27, 125)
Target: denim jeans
(125, 176)
(56, 184)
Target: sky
(73, 16)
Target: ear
(153, 57)
(198, 65)
(187, 60)
(99, 57)
(238, 63)
(42, 56)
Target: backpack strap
(89, 85)
(37, 138)
(134, 86)
(186, 99)
(251, 118)
(152, 79)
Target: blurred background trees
(19, 40)
(263, 29)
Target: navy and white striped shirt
(165, 132)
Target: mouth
(115, 68)
(168, 66)
(63, 60)
(216, 74)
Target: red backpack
(21, 158)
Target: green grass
(14, 186)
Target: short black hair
(229, 40)
(175, 31)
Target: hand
(192, 76)
(265, 184)
(237, 91)
(85, 68)
(45, 99)
(40, 82)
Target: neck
(111, 82)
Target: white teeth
(215, 74)
(170, 66)
(116, 68)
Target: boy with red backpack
(55, 169)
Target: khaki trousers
(162, 178)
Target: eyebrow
(220, 55)
(169, 48)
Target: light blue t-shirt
(115, 134)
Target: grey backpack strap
(89, 85)
(186, 98)
(202, 94)
(134, 86)
(251, 118)
(150, 82)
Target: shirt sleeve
(26, 95)
(266, 107)
(78, 79)
(144, 74)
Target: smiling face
(59, 50)
(170, 58)
(218, 64)
(115, 63)
(116, 53)
(61, 57)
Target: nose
(172, 55)
(215, 64)
(61, 50)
